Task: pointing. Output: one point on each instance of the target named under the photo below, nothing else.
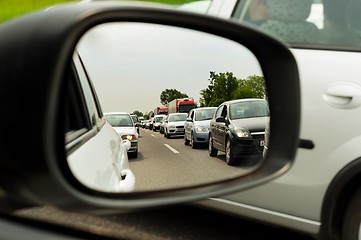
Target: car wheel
(135, 154)
(229, 153)
(186, 141)
(211, 149)
(351, 229)
(132, 154)
(193, 144)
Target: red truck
(160, 110)
(181, 105)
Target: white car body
(108, 174)
(101, 162)
(172, 128)
(330, 100)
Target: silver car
(196, 129)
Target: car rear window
(248, 110)
(119, 120)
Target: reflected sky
(130, 64)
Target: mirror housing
(39, 173)
(221, 119)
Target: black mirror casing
(221, 119)
(35, 52)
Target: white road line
(152, 135)
(170, 148)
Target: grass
(13, 8)
(171, 1)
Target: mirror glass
(140, 68)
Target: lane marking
(170, 148)
(152, 135)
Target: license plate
(261, 143)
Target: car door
(165, 123)
(330, 83)
(223, 127)
(96, 155)
(189, 125)
(216, 129)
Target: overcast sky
(130, 64)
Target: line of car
(236, 128)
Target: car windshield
(205, 114)
(120, 120)
(186, 108)
(177, 118)
(321, 24)
(241, 110)
(158, 119)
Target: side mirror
(220, 119)
(77, 158)
(189, 119)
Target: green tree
(252, 87)
(168, 95)
(222, 87)
(225, 86)
(139, 114)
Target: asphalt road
(180, 222)
(167, 163)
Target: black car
(238, 129)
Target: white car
(91, 160)
(174, 124)
(158, 119)
(125, 127)
(321, 193)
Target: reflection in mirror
(141, 68)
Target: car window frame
(191, 115)
(218, 112)
(85, 105)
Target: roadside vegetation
(13, 8)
